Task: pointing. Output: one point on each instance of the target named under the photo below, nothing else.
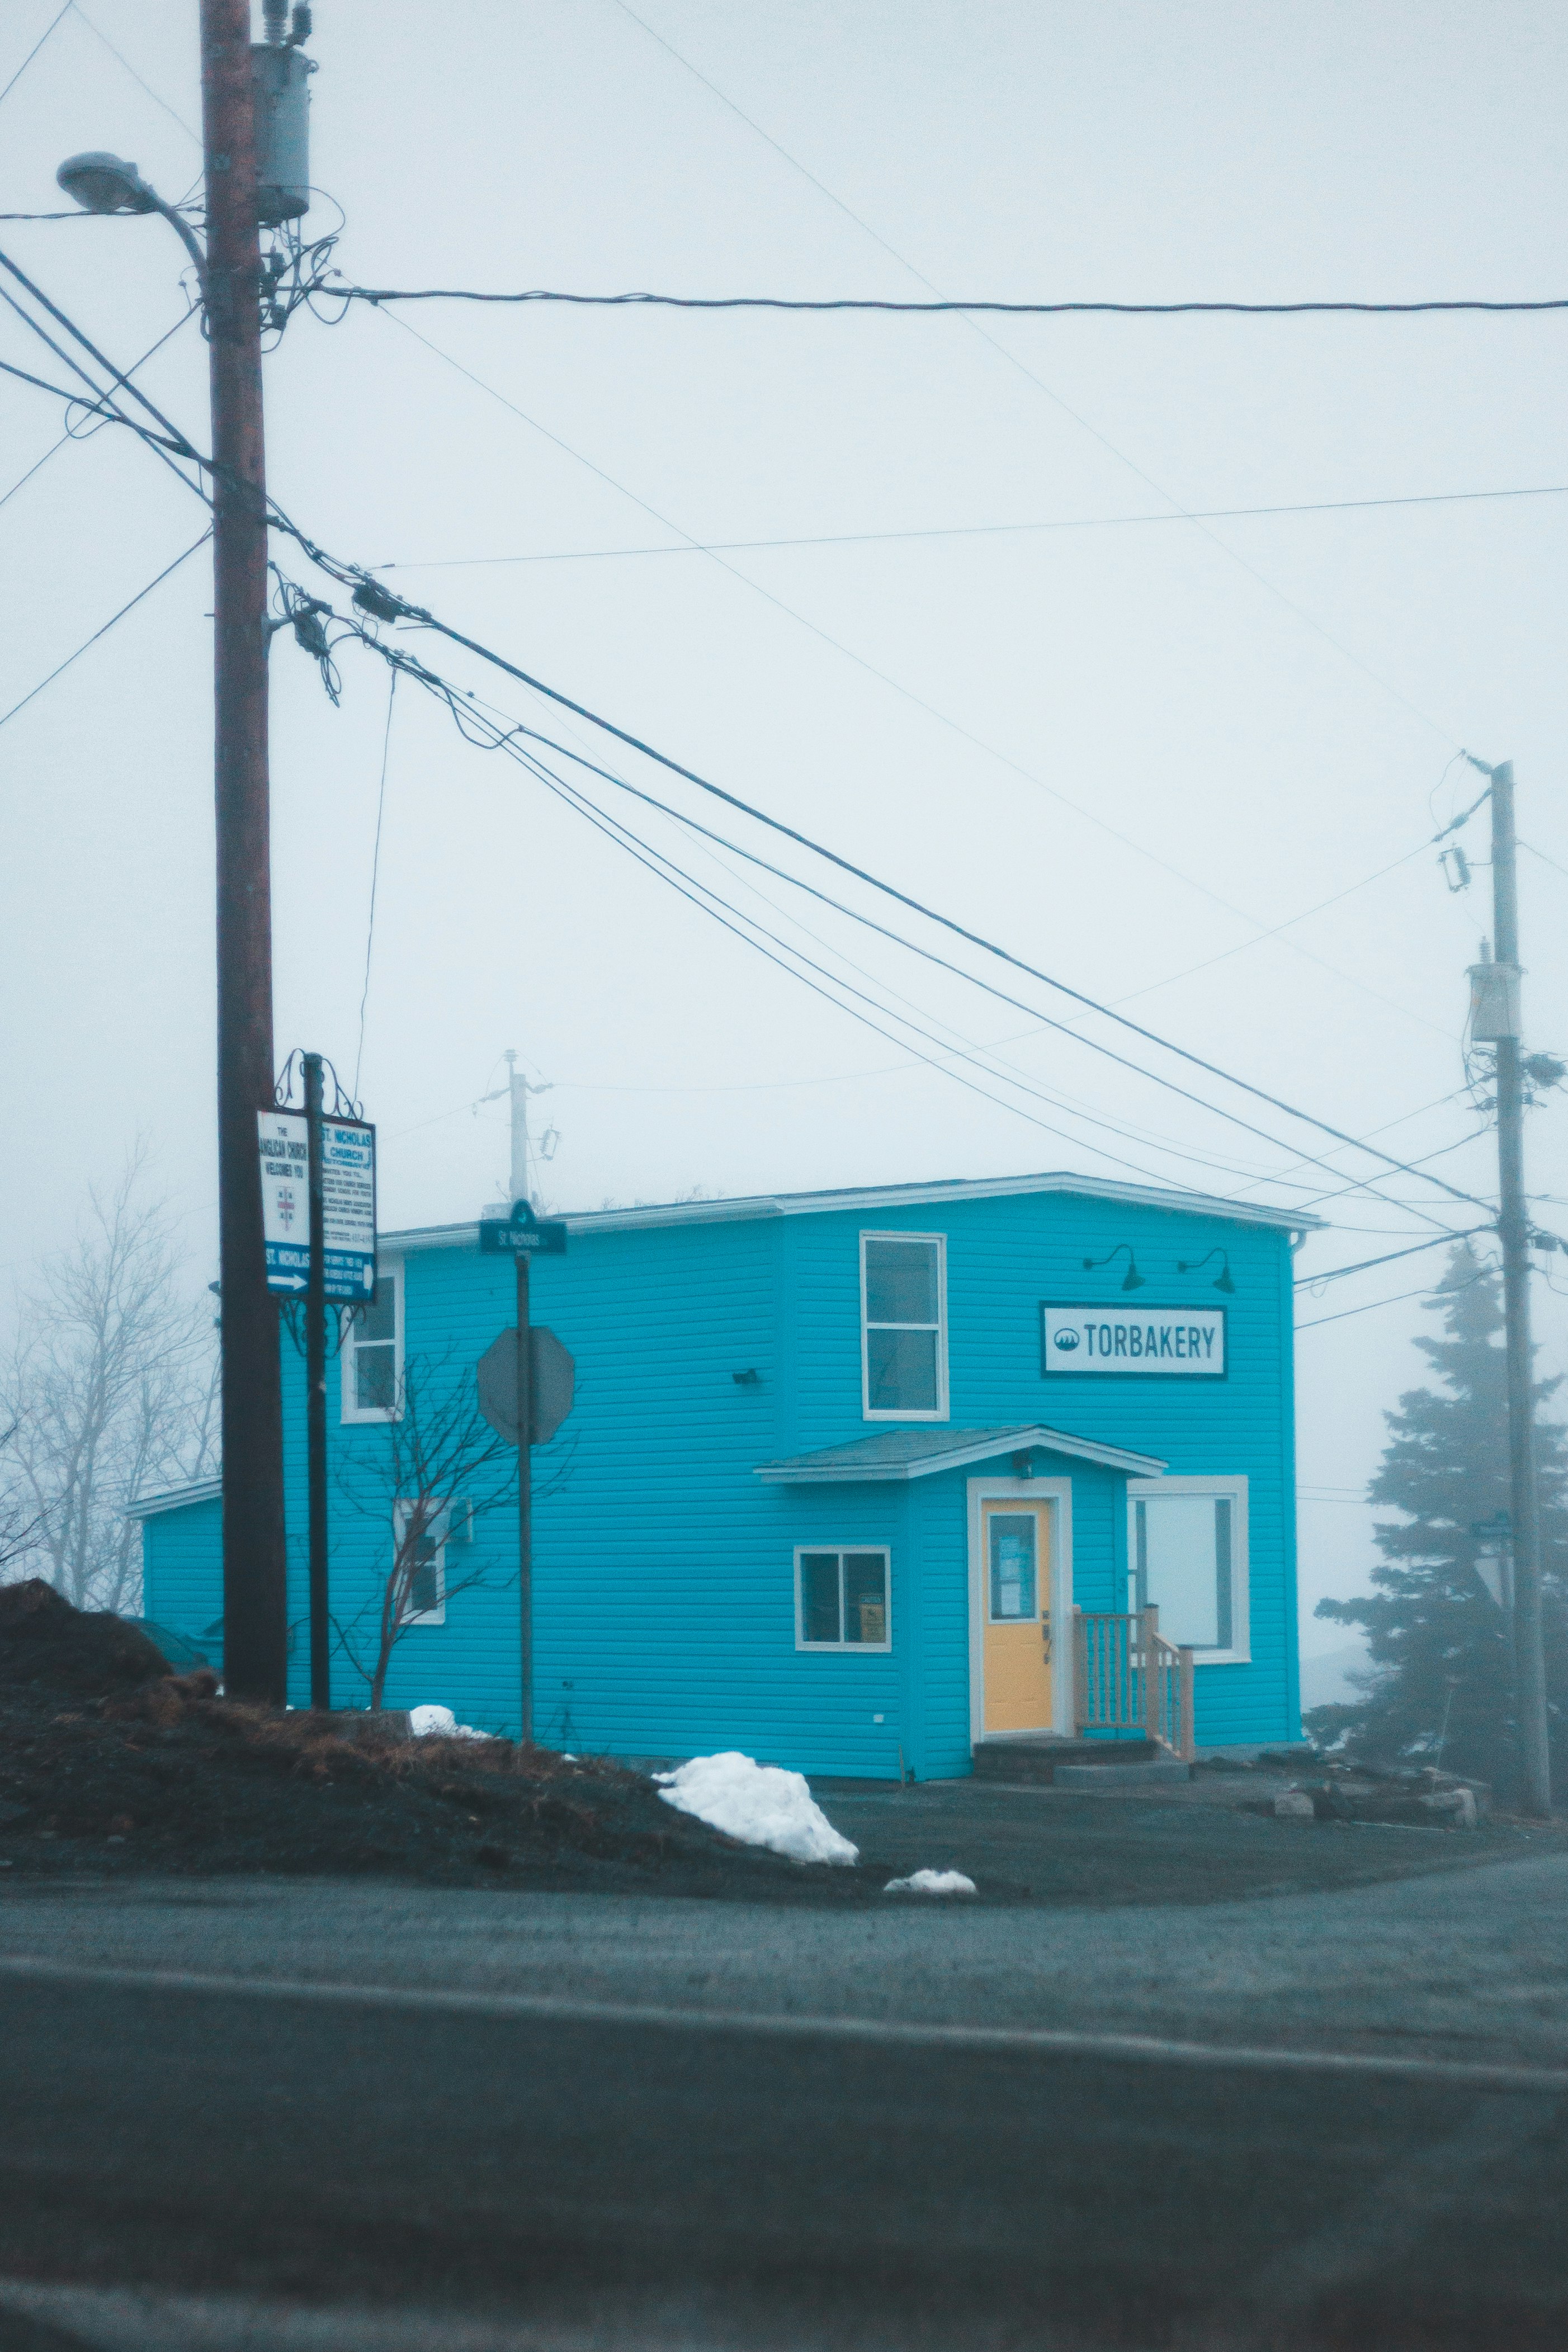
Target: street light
(102, 183)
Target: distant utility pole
(519, 1089)
(255, 1600)
(1496, 1021)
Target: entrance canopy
(905, 1453)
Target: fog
(1187, 766)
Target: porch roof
(902, 1454)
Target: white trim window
(425, 1600)
(373, 1351)
(1187, 1556)
(843, 1597)
(903, 1326)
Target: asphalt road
(281, 2114)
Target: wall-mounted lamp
(1131, 1279)
(1222, 1280)
(1023, 1464)
(747, 1379)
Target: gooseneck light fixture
(1131, 1279)
(1222, 1280)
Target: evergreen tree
(1441, 1648)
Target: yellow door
(1015, 1594)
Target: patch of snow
(760, 1804)
(932, 1882)
(440, 1722)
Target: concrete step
(1111, 1777)
(1044, 1759)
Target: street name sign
(285, 1148)
(521, 1234)
(1137, 1342)
(553, 1381)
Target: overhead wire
(73, 433)
(99, 35)
(374, 872)
(1425, 1291)
(49, 29)
(140, 597)
(967, 531)
(907, 693)
(366, 589)
(973, 306)
(976, 326)
(445, 689)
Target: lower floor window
(841, 1599)
(1188, 1559)
(420, 1532)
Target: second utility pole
(1514, 1232)
(254, 1602)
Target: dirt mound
(112, 1764)
(48, 1645)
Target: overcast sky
(1167, 761)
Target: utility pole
(1498, 1022)
(255, 1600)
(316, 1394)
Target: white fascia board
(959, 1457)
(204, 1490)
(874, 1200)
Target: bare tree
(441, 1470)
(18, 1521)
(112, 1390)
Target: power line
(1427, 1291)
(114, 618)
(1063, 407)
(374, 874)
(374, 598)
(464, 711)
(371, 595)
(969, 530)
(49, 29)
(82, 18)
(72, 434)
(1335, 1273)
(907, 693)
(969, 307)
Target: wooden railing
(1128, 1677)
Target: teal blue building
(840, 1469)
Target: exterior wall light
(1131, 1279)
(1222, 1280)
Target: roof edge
(860, 1199)
(176, 1498)
(808, 1470)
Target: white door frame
(1057, 1493)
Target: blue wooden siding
(182, 1570)
(664, 1568)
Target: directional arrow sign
(554, 1382)
(285, 1148)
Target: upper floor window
(373, 1351)
(903, 1325)
(1187, 1558)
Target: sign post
(522, 1237)
(318, 1202)
(316, 1396)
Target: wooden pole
(255, 1598)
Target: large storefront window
(1187, 1558)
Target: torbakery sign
(1162, 1342)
